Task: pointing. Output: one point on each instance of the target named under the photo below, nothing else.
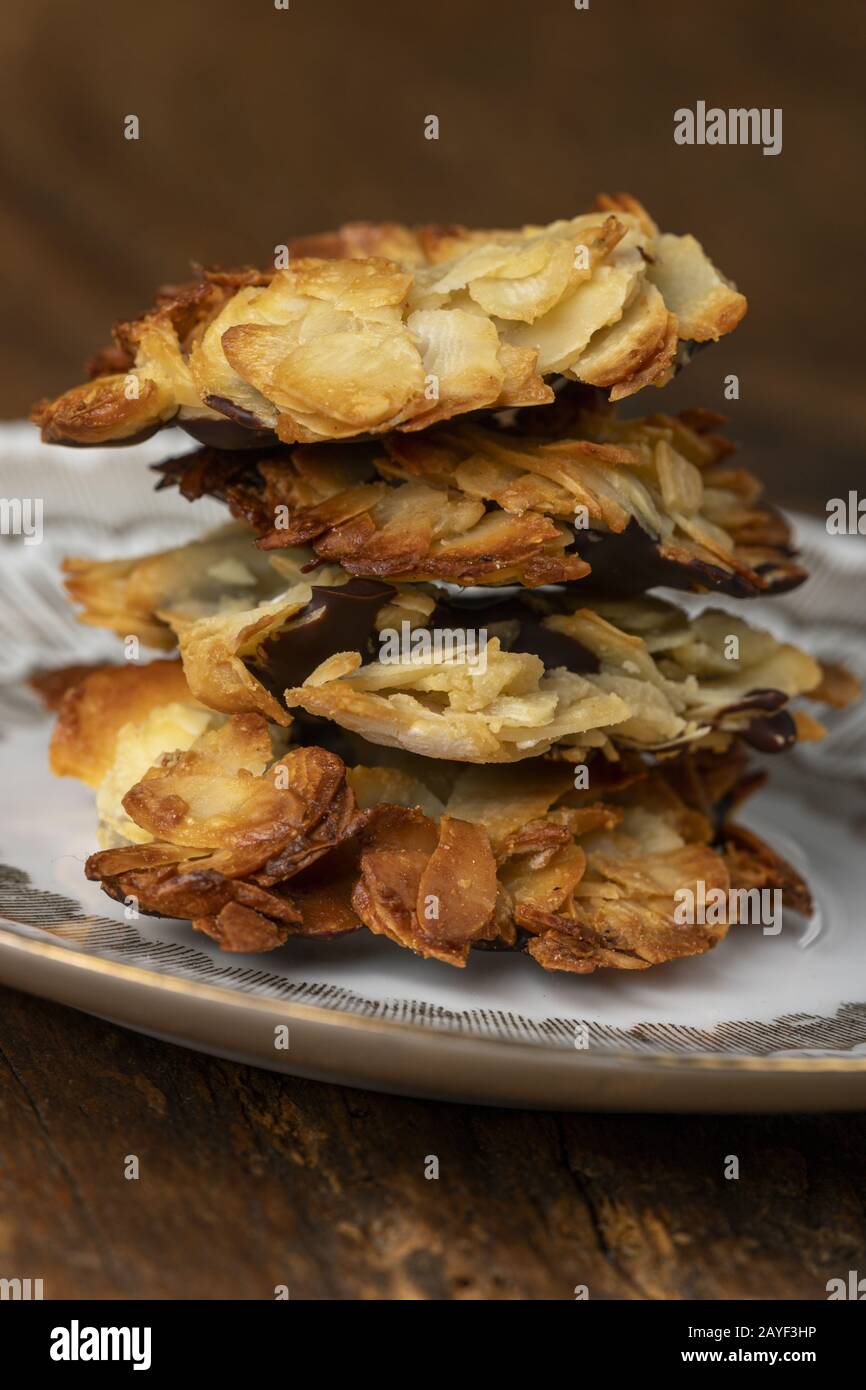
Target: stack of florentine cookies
(416, 683)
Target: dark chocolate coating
(342, 618)
(337, 619)
(554, 648)
(628, 562)
(227, 434)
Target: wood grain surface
(257, 124)
(249, 1180)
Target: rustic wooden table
(249, 1180)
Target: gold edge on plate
(334, 1018)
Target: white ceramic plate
(761, 1023)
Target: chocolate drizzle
(772, 733)
(768, 700)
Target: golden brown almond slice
(359, 287)
(461, 362)
(117, 407)
(752, 863)
(705, 303)
(525, 292)
(213, 374)
(358, 378)
(656, 370)
(838, 687)
(457, 888)
(445, 705)
(221, 571)
(215, 651)
(521, 385)
(619, 351)
(95, 709)
(564, 333)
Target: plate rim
(384, 1028)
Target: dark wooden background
(258, 124)
(249, 1180)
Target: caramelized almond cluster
(543, 672)
(620, 505)
(414, 328)
(254, 849)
